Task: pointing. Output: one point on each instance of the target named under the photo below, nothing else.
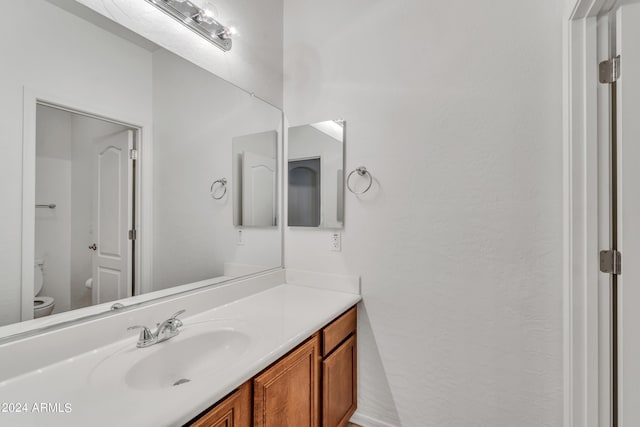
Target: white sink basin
(187, 357)
(183, 361)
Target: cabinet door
(339, 385)
(234, 411)
(288, 393)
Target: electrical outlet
(336, 242)
(240, 238)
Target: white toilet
(42, 306)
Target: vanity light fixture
(199, 18)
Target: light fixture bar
(197, 20)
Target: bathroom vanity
(314, 385)
(260, 353)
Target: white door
(112, 213)
(258, 190)
(627, 45)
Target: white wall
(53, 185)
(53, 229)
(255, 61)
(196, 116)
(56, 54)
(455, 108)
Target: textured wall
(456, 108)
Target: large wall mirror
(122, 165)
(315, 170)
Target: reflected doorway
(304, 192)
(85, 210)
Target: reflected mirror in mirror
(254, 174)
(122, 141)
(315, 170)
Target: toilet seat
(42, 306)
(41, 303)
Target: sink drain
(181, 381)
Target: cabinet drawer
(338, 331)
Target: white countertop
(276, 321)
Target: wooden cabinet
(288, 393)
(339, 385)
(234, 411)
(315, 385)
(339, 370)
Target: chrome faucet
(166, 330)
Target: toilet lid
(38, 279)
(42, 302)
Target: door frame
(142, 178)
(586, 377)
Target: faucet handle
(174, 321)
(146, 336)
(175, 316)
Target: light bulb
(207, 11)
(207, 15)
(225, 33)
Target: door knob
(93, 247)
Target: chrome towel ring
(362, 171)
(223, 184)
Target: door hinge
(609, 71)
(133, 234)
(611, 262)
(133, 154)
